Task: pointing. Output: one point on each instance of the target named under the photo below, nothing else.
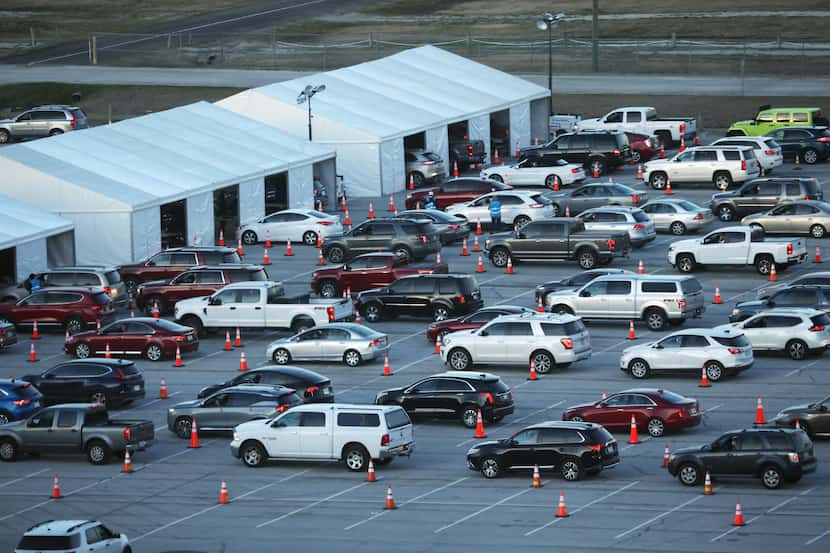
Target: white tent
(113, 180)
(367, 110)
(32, 240)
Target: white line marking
(642, 441)
(135, 408)
(73, 492)
(768, 511)
(310, 505)
(10, 482)
(405, 338)
(799, 369)
(814, 540)
(468, 517)
(520, 419)
(713, 408)
(594, 502)
(658, 517)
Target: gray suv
(410, 239)
(423, 167)
(42, 121)
(107, 278)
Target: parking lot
(170, 501)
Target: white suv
(721, 165)
(797, 332)
(76, 536)
(768, 151)
(547, 340)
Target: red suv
(643, 147)
(169, 263)
(152, 338)
(75, 308)
(656, 411)
(454, 191)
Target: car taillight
(330, 312)
(374, 342)
(108, 290)
(325, 223)
(536, 206)
(568, 343)
(487, 396)
(770, 152)
(790, 248)
(682, 127)
(817, 328)
(2, 331)
(617, 153)
(311, 389)
(639, 226)
(793, 457)
(612, 244)
(680, 413)
(824, 139)
(96, 307)
(698, 217)
(128, 434)
(635, 198)
(74, 120)
(735, 351)
(647, 142)
(118, 374)
(462, 299)
(384, 440)
(455, 227)
(681, 304)
(282, 408)
(595, 447)
(743, 165)
(424, 238)
(429, 163)
(21, 402)
(180, 338)
(469, 149)
(575, 170)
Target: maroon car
(656, 411)
(152, 338)
(472, 321)
(454, 191)
(170, 262)
(643, 147)
(74, 308)
(371, 270)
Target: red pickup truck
(371, 270)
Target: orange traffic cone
(759, 412)
(390, 501)
(319, 242)
(237, 341)
(128, 463)
(371, 211)
(411, 182)
(320, 260)
(163, 389)
(357, 319)
(717, 299)
(561, 511)
(267, 238)
(455, 169)
(668, 187)
(704, 378)
(289, 251)
(797, 166)
(496, 159)
(391, 207)
(479, 265)
(223, 493)
(539, 307)
(267, 260)
(532, 374)
(387, 371)
(243, 362)
(666, 456)
(476, 246)
(178, 362)
(479, 426)
(773, 274)
(370, 474)
(56, 488)
(194, 435)
(35, 333)
(437, 345)
(640, 171)
(156, 313)
(707, 485)
(596, 172)
(633, 436)
(221, 237)
(641, 269)
(343, 203)
(32, 354)
(509, 270)
(739, 516)
(347, 221)
(464, 251)
(478, 226)
(631, 335)
(682, 145)
(818, 255)
(239, 249)
(536, 481)
(228, 346)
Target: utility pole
(595, 37)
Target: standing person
(321, 197)
(495, 213)
(429, 203)
(34, 283)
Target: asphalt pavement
(170, 501)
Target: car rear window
(360, 419)
(49, 543)
(170, 326)
(467, 285)
(563, 329)
(732, 341)
(101, 298)
(821, 320)
(640, 216)
(129, 369)
(497, 386)
(113, 277)
(659, 287)
(690, 286)
(811, 186)
(672, 397)
(397, 418)
(600, 435)
(78, 113)
(432, 157)
(779, 441)
(539, 199)
(771, 144)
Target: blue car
(18, 400)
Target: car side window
(617, 400)
(137, 328)
(382, 229)
(483, 317)
(160, 260)
(710, 155)
(686, 156)
(426, 286)
(527, 437)
(780, 321)
(430, 385)
(519, 329)
(497, 329)
(595, 289)
(639, 400)
(510, 200)
(796, 297)
(769, 189)
(241, 399)
(183, 259)
(219, 400)
(226, 296)
(618, 287)
(313, 419)
(614, 117)
(695, 341)
(671, 342)
(403, 286)
(313, 334)
(42, 420)
(249, 378)
(793, 189)
(633, 116)
(336, 334)
(795, 135)
(803, 209)
(25, 117)
(749, 441)
(248, 295)
(209, 277)
(67, 419)
(783, 210)
(289, 420)
(733, 237)
(92, 535)
(729, 155)
(453, 385)
(714, 238)
(186, 278)
(782, 117)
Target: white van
(330, 432)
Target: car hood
(192, 302)
(585, 123)
(680, 244)
(797, 409)
(579, 406)
(638, 347)
(752, 305)
(279, 341)
(562, 293)
(208, 390)
(252, 426)
(657, 163)
(742, 123)
(687, 450)
(489, 443)
(395, 392)
(155, 283)
(724, 196)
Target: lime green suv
(769, 119)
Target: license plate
(142, 443)
(189, 337)
(137, 387)
(693, 411)
(35, 404)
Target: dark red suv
(152, 338)
(169, 263)
(454, 191)
(74, 308)
(656, 411)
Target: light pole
(547, 23)
(305, 96)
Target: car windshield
(317, 214)
(732, 341)
(498, 386)
(170, 326)
(362, 331)
(640, 216)
(432, 157)
(113, 277)
(821, 320)
(539, 199)
(687, 205)
(397, 418)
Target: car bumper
(499, 411)
(140, 445)
(8, 340)
(677, 423)
(376, 352)
(735, 369)
(184, 347)
(639, 240)
(451, 236)
(235, 450)
(128, 395)
(397, 451)
(797, 259)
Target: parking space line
(151, 402)
(42, 503)
(310, 505)
(471, 515)
(814, 540)
(658, 517)
(407, 337)
(800, 369)
(768, 511)
(583, 507)
(713, 408)
(22, 478)
(413, 500)
(642, 441)
(520, 419)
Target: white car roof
(252, 284)
(52, 527)
(796, 311)
(710, 332)
(539, 317)
(755, 139)
(346, 407)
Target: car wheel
(98, 453)
(810, 156)
(576, 418)
(253, 454)
(553, 182)
(587, 259)
(771, 477)
(490, 468)
(82, 350)
(131, 284)
(571, 470)
(416, 178)
(310, 238)
(469, 416)
(635, 156)
(281, 356)
(249, 238)
(373, 312)
(639, 368)
(440, 313)
(154, 352)
(5, 137)
(404, 253)
(797, 350)
(597, 166)
(722, 180)
(194, 322)
(561, 310)
(520, 221)
(764, 264)
(9, 450)
(328, 289)
(685, 263)
(352, 358)
(75, 325)
(183, 426)
(5, 418)
(655, 428)
(98, 397)
(498, 257)
(657, 180)
(356, 458)
(542, 362)
(460, 360)
(301, 324)
(726, 213)
(656, 319)
(496, 177)
(714, 371)
(817, 231)
(677, 228)
(336, 254)
(689, 475)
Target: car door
(591, 300)
(315, 435)
(479, 210)
(334, 343)
(661, 214)
(696, 350)
(397, 296)
(551, 243)
(804, 218)
(276, 227)
(419, 300)
(111, 335)
(522, 449)
(217, 309)
(23, 125)
(241, 406)
(100, 540)
(614, 121)
(369, 272)
(756, 331)
(665, 354)
(706, 163)
(614, 414)
(379, 237)
(720, 459)
(552, 446)
(420, 398)
(524, 172)
(586, 197)
(619, 299)
(64, 383)
(136, 337)
(209, 414)
(529, 241)
(727, 247)
(779, 219)
(307, 344)
(489, 343)
(744, 457)
(795, 141)
(682, 167)
(39, 430)
(248, 309)
(642, 407)
(66, 432)
(778, 331)
(282, 439)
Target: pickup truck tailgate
(400, 431)
(343, 308)
(141, 432)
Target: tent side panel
(146, 232)
(200, 219)
(300, 186)
(539, 128)
(519, 126)
(31, 258)
(360, 166)
(251, 200)
(393, 171)
(438, 141)
(479, 128)
(104, 238)
(60, 249)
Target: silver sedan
(677, 216)
(348, 342)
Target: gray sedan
(593, 195)
(677, 216)
(230, 407)
(795, 217)
(350, 343)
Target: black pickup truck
(465, 152)
(75, 428)
(560, 238)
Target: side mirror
(585, 294)
(512, 441)
(484, 333)
(521, 235)
(709, 447)
(347, 267)
(657, 346)
(389, 290)
(214, 301)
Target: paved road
(170, 502)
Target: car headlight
(446, 341)
(672, 457)
(171, 410)
(472, 451)
(236, 436)
(781, 414)
(735, 311)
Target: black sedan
(311, 386)
(816, 297)
(813, 418)
(450, 228)
(110, 382)
(571, 282)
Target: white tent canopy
(367, 110)
(28, 229)
(111, 180)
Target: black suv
(762, 195)
(438, 296)
(810, 144)
(572, 448)
(599, 151)
(311, 386)
(771, 454)
(410, 239)
(453, 394)
(111, 382)
(808, 295)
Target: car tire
(658, 180)
(252, 454)
(797, 350)
(490, 468)
(639, 368)
(664, 139)
(636, 157)
(55, 132)
(688, 474)
(587, 259)
(655, 427)
(373, 312)
(722, 180)
(763, 264)
(685, 262)
(520, 221)
(83, 350)
(310, 238)
(496, 177)
(352, 358)
(543, 361)
(5, 418)
(440, 313)
(403, 252)
(459, 359)
(300, 324)
(9, 451)
(75, 325)
(5, 136)
(195, 323)
(656, 319)
(182, 427)
(714, 371)
(356, 457)
(571, 469)
(249, 238)
(576, 418)
(99, 397)
(154, 353)
(678, 228)
(561, 309)
(281, 356)
(469, 415)
(98, 453)
(726, 213)
(336, 254)
(131, 284)
(328, 289)
(553, 182)
(771, 477)
(498, 257)
(810, 156)
(817, 231)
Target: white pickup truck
(643, 120)
(327, 432)
(260, 305)
(737, 246)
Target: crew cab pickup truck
(260, 305)
(75, 428)
(353, 434)
(643, 120)
(371, 270)
(737, 246)
(560, 238)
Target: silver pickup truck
(75, 428)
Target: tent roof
(20, 222)
(394, 96)
(165, 156)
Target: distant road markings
(22, 478)
(471, 515)
(594, 502)
(658, 517)
(768, 511)
(310, 505)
